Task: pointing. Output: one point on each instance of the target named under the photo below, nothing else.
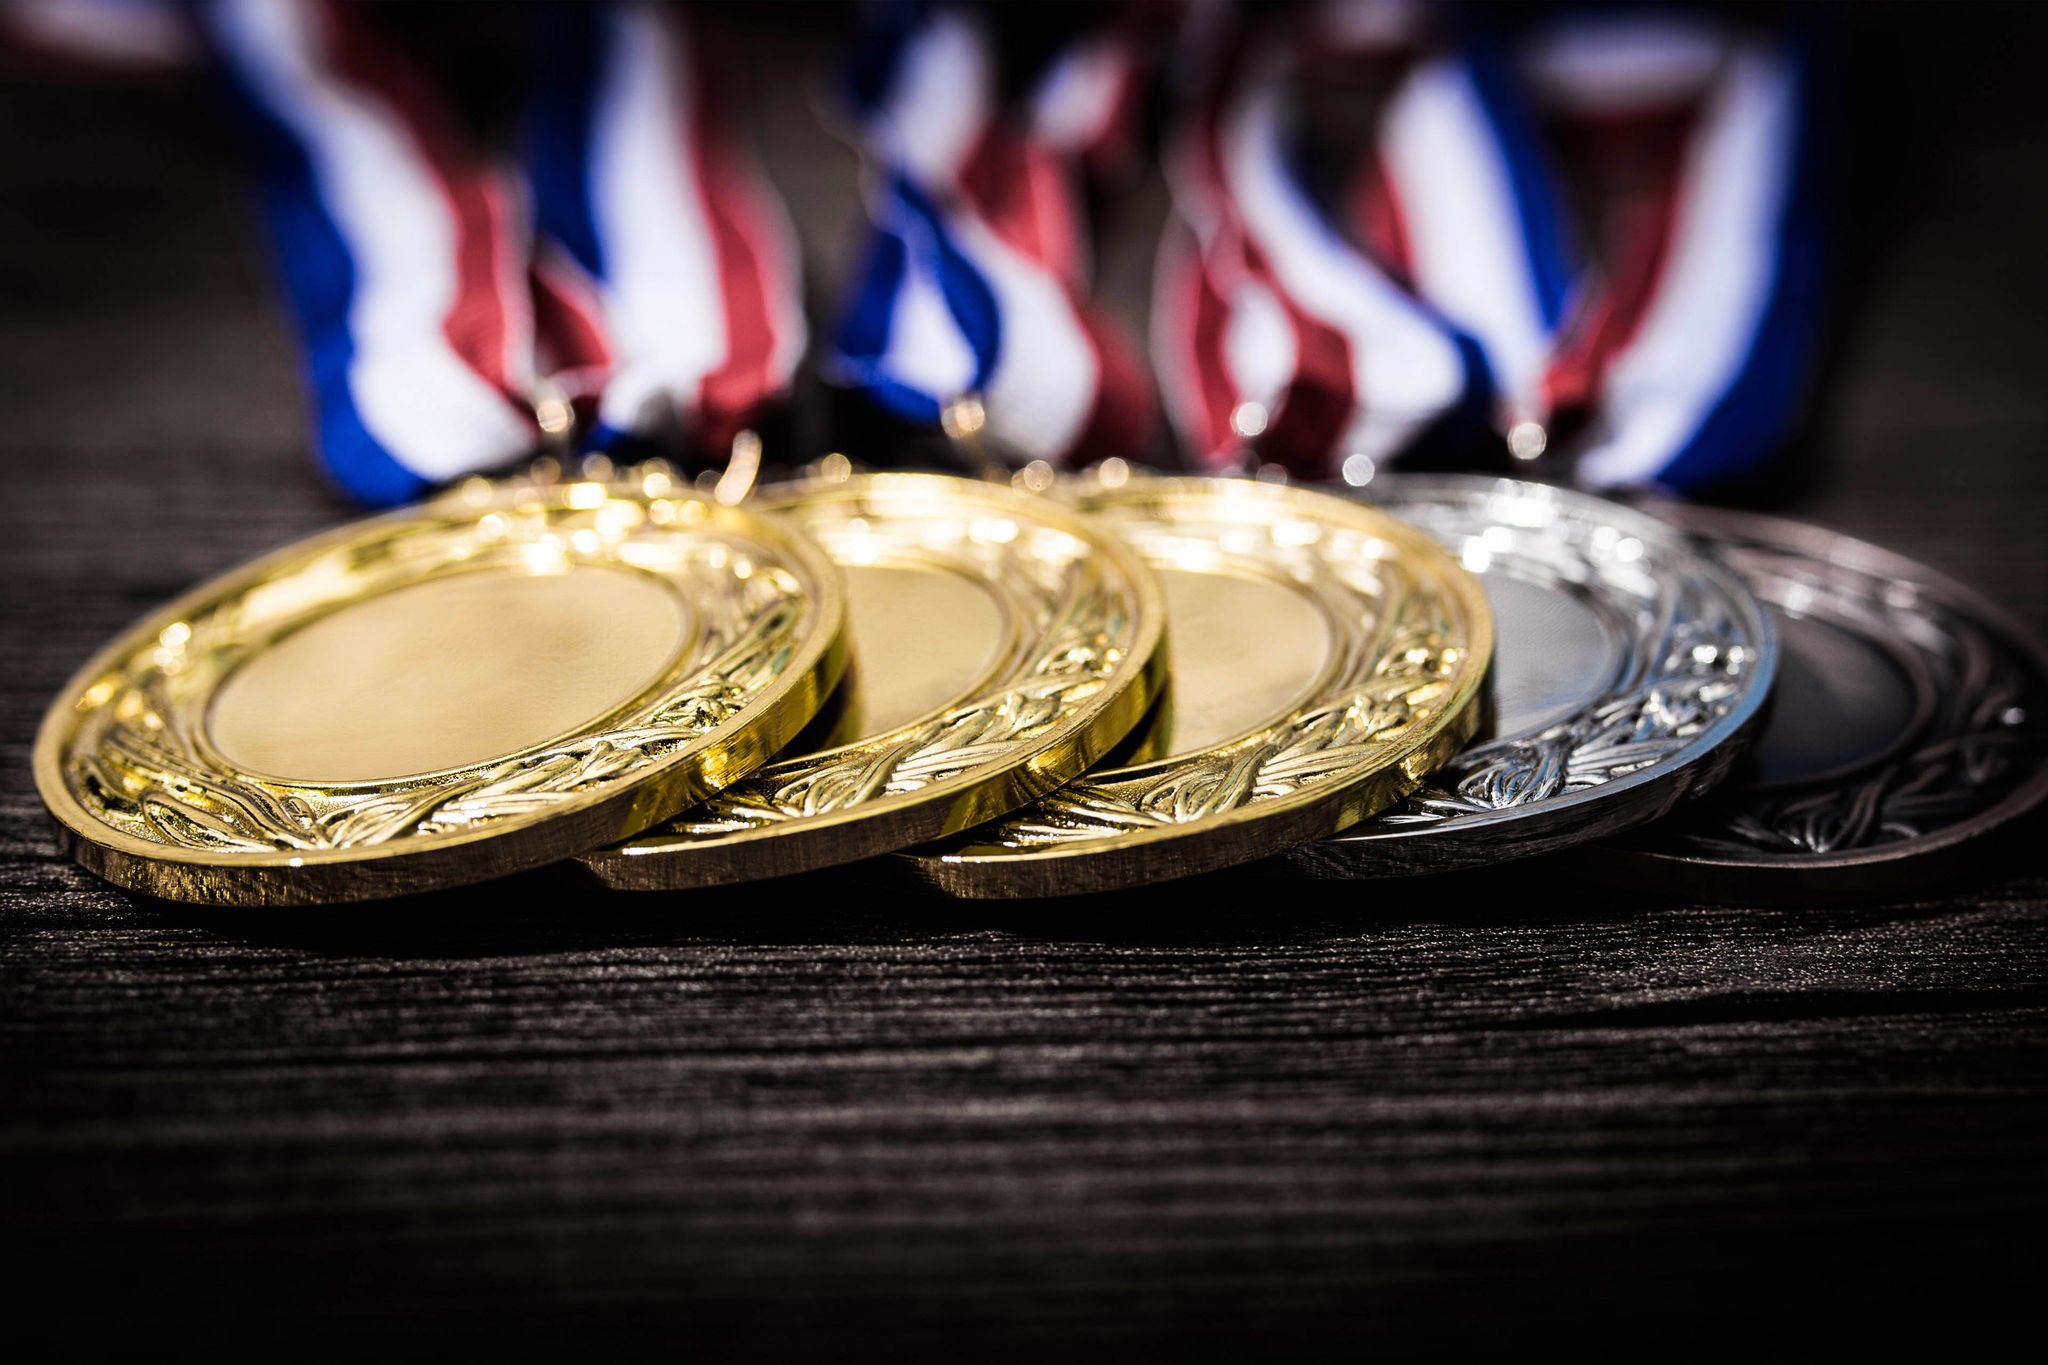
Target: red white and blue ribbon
(975, 280)
(1457, 198)
(1678, 360)
(1276, 338)
(403, 247)
(659, 284)
(667, 269)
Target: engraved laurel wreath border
(155, 784)
(1955, 770)
(1074, 653)
(1681, 684)
(1412, 663)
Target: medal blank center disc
(492, 681)
(1001, 644)
(1325, 657)
(446, 673)
(1628, 668)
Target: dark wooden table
(841, 1114)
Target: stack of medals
(1076, 679)
(1129, 679)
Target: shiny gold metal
(1001, 644)
(500, 678)
(1325, 658)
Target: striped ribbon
(975, 279)
(1448, 287)
(458, 302)
(448, 296)
(1276, 338)
(1456, 198)
(1678, 359)
(666, 256)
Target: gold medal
(1001, 644)
(1325, 658)
(492, 681)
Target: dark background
(840, 1114)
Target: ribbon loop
(403, 248)
(648, 278)
(1277, 338)
(976, 272)
(1676, 356)
(667, 263)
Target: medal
(1909, 719)
(1629, 668)
(491, 681)
(1325, 658)
(1001, 644)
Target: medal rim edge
(622, 869)
(990, 877)
(1739, 728)
(1837, 872)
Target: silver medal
(1630, 665)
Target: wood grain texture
(840, 1114)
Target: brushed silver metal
(1910, 720)
(1631, 667)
